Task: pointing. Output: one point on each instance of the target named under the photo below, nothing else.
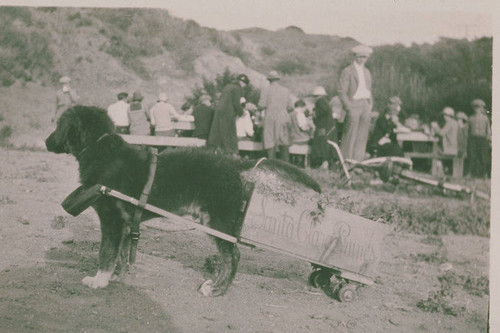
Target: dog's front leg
(111, 236)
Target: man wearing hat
(448, 133)
(383, 141)
(203, 114)
(355, 92)
(276, 100)
(65, 98)
(161, 115)
(119, 114)
(223, 130)
(139, 124)
(479, 140)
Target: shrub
(436, 218)
(5, 133)
(84, 22)
(74, 16)
(267, 50)
(215, 86)
(291, 66)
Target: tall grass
(430, 77)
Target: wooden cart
(343, 248)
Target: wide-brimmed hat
(462, 115)
(162, 97)
(319, 91)
(447, 111)
(395, 100)
(362, 50)
(122, 95)
(65, 79)
(273, 75)
(137, 97)
(243, 78)
(478, 102)
(251, 107)
(205, 98)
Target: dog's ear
(76, 136)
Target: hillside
(106, 51)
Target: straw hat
(462, 115)
(478, 102)
(273, 75)
(362, 50)
(205, 98)
(162, 97)
(319, 91)
(447, 111)
(395, 100)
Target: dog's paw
(100, 280)
(206, 289)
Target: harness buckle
(135, 235)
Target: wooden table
(425, 146)
(171, 141)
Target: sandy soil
(44, 253)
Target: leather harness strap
(135, 232)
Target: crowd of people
(280, 120)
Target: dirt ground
(44, 254)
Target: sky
(373, 22)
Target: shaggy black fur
(185, 179)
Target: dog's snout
(51, 144)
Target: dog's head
(78, 128)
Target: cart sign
(336, 239)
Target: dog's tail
(285, 170)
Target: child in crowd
(244, 124)
(301, 127)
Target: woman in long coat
(223, 131)
(321, 152)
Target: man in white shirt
(355, 93)
(162, 114)
(119, 114)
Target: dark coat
(203, 115)
(223, 131)
(323, 120)
(384, 126)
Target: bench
(458, 162)
(295, 149)
(170, 141)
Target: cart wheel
(319, 278)
(347, 293)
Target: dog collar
(86, 148)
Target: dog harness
(135, 233)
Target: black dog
(186, 181)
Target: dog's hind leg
(230, 257)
